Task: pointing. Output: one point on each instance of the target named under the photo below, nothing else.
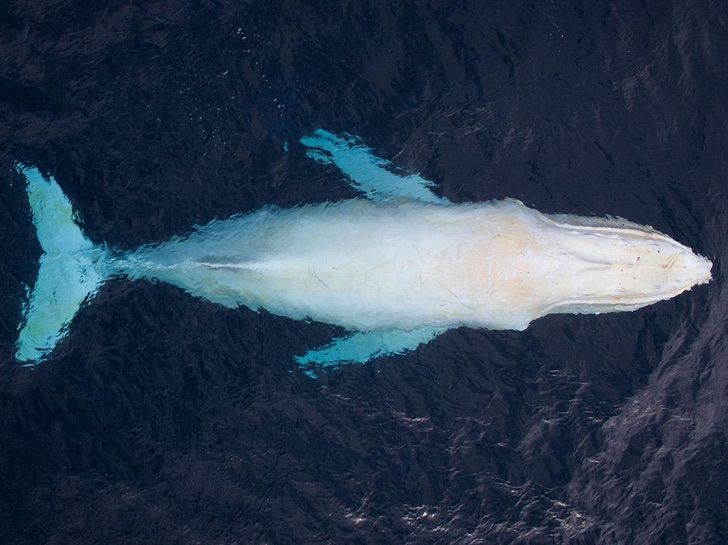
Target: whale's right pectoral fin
(372, 175)
(362, 347)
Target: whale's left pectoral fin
(372, 175)
(364, 346)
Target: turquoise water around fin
(364, 346)
(367, 173)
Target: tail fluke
(71, 269)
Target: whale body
(395, 268)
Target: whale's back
(357, 264)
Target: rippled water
(163, 418)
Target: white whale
(395, 268)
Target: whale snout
(649, 267)
(687, 269)
(614, 265)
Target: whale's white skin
(407, 265)
(398, 267)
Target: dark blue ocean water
(166, 419)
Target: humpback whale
(395, 267)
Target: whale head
(609, 265)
